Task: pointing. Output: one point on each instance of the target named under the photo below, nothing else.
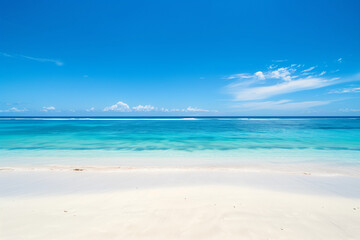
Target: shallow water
(179, 141)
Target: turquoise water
(179, 141)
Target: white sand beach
(177, 204)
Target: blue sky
(116, 58)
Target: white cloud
(253, 89)
(347, 90)
(239, 76)
(263, 92)
(281, 73)
(123, 107)
(118, 107)
(191, 109)
(282, 80)
(283, 105)
(57, 62)
(176, 110)
(46, 109)
(308, 69)
(340, 60)
(146, 108)
(188, 109)
(164, 110)
(245, 79)
(90, 109)
(272, 66)
(260, 75)
(14, 109)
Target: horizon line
(185, 116)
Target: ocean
(180, 141)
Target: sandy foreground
(177, 204)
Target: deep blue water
(172, 141)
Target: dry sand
(171, 204)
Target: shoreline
(294, 169)
(29, 181)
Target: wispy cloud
(308, 69)
(256, 90)
(239, 76)
(90, 109)
(349, 110)
(6, 54)
(263, 92)
(57, 62)
(46, 109)
(14, 109)
(274, 82)
(346, 90)
(280, 60)
(283, 105)
(340, 60)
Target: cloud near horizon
(46, 109)
(123, 107)
(118, 107)
(141, 108)
(14, 109)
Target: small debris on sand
(78, 169)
